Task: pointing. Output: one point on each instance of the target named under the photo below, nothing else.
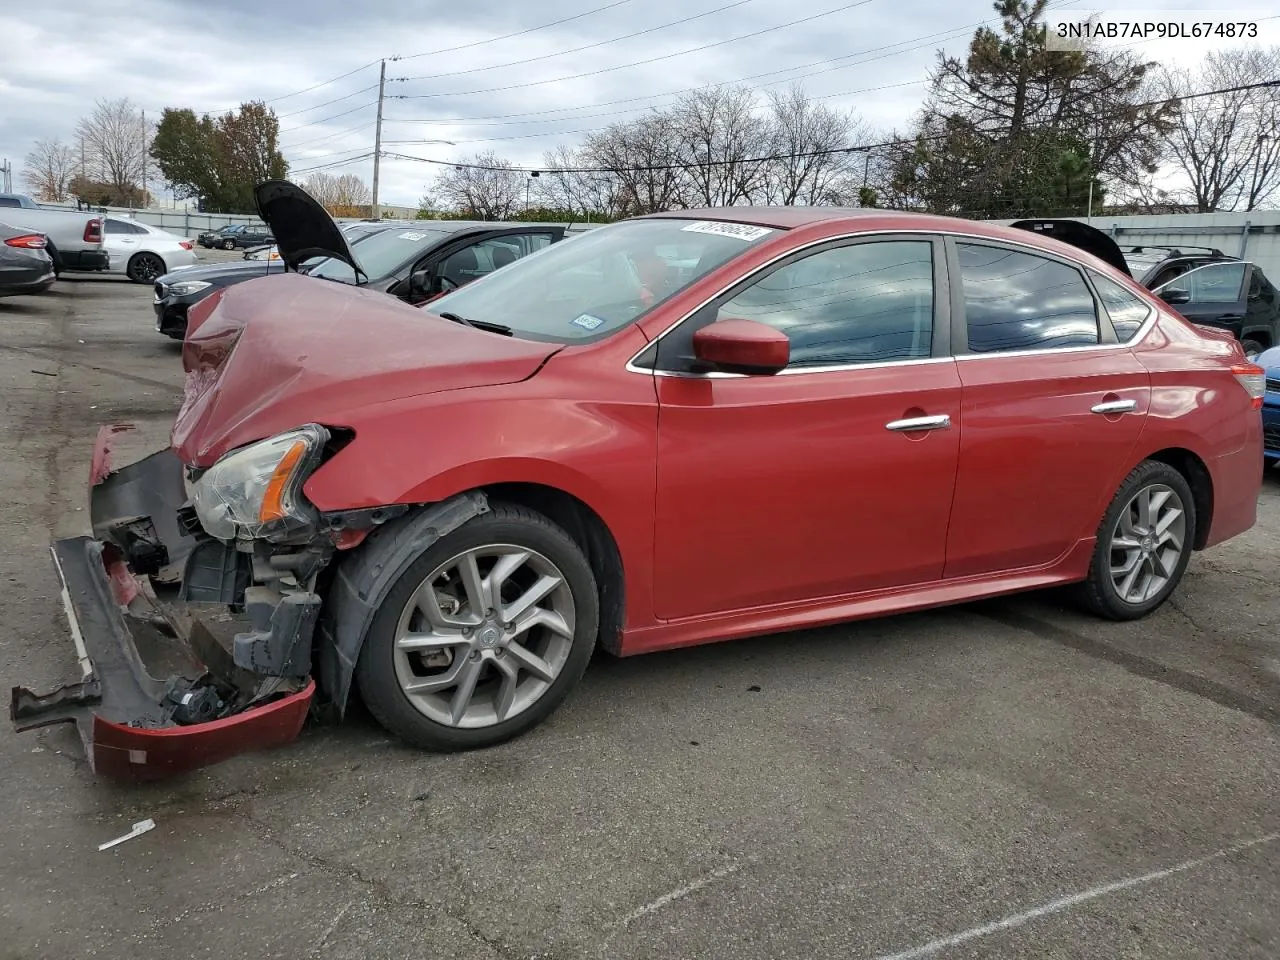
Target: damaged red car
(680, 428)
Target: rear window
(1127, 312)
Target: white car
(143, 252)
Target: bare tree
(485, 187)
(49, 168)
(334, 192)
(1227, 144)
(569, 183)
(114, 141)
(722, 139)
(812, 143)
(643, 162)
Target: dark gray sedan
(25, 264)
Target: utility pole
(7, 170)
(377, 138)
(144, 160)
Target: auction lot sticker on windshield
(739, 231)
(587, 321)
(412, 236)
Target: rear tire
(145, 268)
(228, 244)
(1144, 544)
(445, 713)
(1251, 349)
(56, 257)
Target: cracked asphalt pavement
(1001, 780)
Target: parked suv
(1218, 290)
(237, 235)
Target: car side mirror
(1174, 296)
(422, 283)
(742, 346)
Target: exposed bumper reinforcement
(130, 721)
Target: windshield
(381, 254)
(603, 280)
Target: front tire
(483, 636)
(1144, 544)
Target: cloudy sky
(518, 79)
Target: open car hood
(302, 227)
(1082, 236)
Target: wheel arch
(590, 532)
(1196, 473)
(361, 579)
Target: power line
(589, 46)
(341, 76)
(313, 123)
(294, 113)
(331, 136)
(518, 33)
(637, 63)
(334, 163)
(570, 133)
(830, 151)
(909, 45)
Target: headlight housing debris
(255, 492)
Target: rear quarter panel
(1198, 405)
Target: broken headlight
(256, 491)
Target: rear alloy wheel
(1144, 544)
(228, 244)
(483, 636)
(145, 268)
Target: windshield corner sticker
(739, 231)
(412, 236)
(587, 321)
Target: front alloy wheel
(484, 634)
(1144, 544)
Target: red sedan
(676, 429)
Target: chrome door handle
(940, 422)
(1115, 406)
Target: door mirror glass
(742, 346)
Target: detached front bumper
(160, 693)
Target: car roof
(875, 219)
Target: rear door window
(1022, 301)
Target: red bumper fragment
(136, 753)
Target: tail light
(93, 231)
(1254, 380)
(29, 241)
(185, 244)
